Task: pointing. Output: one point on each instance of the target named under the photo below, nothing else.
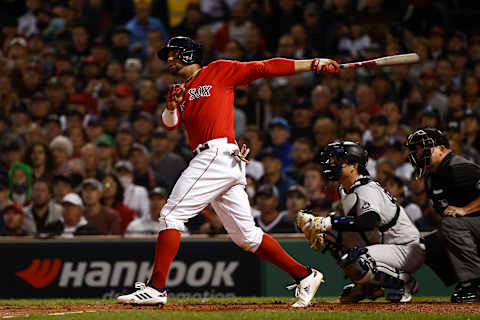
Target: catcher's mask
(420, 144)
(334, 154)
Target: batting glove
(325, 66)
(241, 155)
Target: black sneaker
(466, 293)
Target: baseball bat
(409, 58)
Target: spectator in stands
(206, 38)
(270, 219)
(456, 138)
(296, 201)
(395, 130)
(396, 187)
(73, 214)
(149, 225)
(94, 128)
(321, 206)
(105, 153)
(62, 185)
(433, 97)
(141, 24)
(321, 102)
(4, 193)
(125, 102)
(346, 118)
(124, 140)
(472, 90)
(38, 157)
(89, 156)
(13, 221)
(236, 28)
(395, 151)
(302, 155)
(376, 146)
(43, 215)
(133, 69)
(144, 174)
(143, 126)
(12, 150)
(135, 197)
(418, 207)
(366, 103)
(78, 138)
(52, 128)
(470, 126)
(104, 219)
(168, 164)
(120, 41)
(148, 96)
(325, 132)
(301, 120)
(384, 169)
(313, 182)
(61, 148)
(20, 180)
(273, 174)
(113, 194)
(280, 133)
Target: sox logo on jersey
(200, 91)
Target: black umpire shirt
(455, 183)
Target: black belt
(201, 148)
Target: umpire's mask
(420, 144)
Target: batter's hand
(325, 66)
(175, 96)
(454, 211)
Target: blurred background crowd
(81, 93)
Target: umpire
(453, 184)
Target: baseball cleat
(404, 294)
(305, 290)
(145, 295)
(353, 293)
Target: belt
(201, 148)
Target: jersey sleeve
(370, 200)
(242, 73)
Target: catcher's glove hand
(313, 227)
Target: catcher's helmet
(349, 151)
(190, 51)
(426, 138)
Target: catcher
(370, 235)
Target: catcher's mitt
(313, 228)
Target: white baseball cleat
(144, 295)
(306, 289)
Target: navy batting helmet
(190, 51)
(349, 151)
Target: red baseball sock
(271, 251)
(166, 249)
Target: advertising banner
(107, 268)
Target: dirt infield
(7, 311)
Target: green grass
(39, 302)
(212, 315)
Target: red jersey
(207, 107)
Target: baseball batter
(386, 263)
(216, 175)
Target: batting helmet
(426, 138)
(190, 51)
(349, 151)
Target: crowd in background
(81, 93)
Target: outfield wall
(108, 266)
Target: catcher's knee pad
(362, 268)
(358, 265)
(249, 240)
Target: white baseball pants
(214, 177)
